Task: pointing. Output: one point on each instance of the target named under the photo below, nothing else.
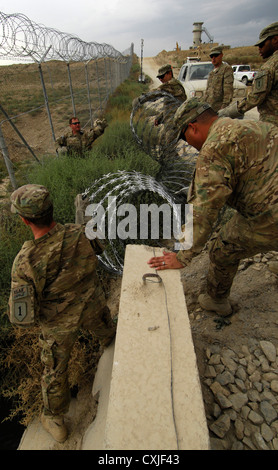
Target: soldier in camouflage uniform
(264, 93)
(219, 91)
(169, 83)
(237, 165)
(55, 285)
(77, 142)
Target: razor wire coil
(21, 38)
(160, 141)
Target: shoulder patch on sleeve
(22, 306)
(260, 82)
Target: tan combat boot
(273, 267)
(222, 306)
(55, 426)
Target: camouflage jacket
(78, 144)
(219, 91)
(60, 267)
(175, 88)
(264, 93)
(237, 165)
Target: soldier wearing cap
(169, 83)
(219, 91)
(54, 284)
(77, 142)
(237, 165)
(264, 93)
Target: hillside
(237, 55)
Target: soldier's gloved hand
(230, 111)
(101, 123)
(61, 150)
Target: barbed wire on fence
(75, 78)
(22, 37)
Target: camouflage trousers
(239, 238)
(57, 344)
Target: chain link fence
(59, 76)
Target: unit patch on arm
(22, 307)
(260, 82)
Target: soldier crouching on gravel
(76, 142)
(237, 165)
(55, 285)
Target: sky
(159, 23)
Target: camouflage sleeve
(22, 306)
(209, 191)
(228, 86)
(61, 142)
(175, 88)
(96, 131)
(261, 87)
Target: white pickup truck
(194, 75)
(244, 73)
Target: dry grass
(23, 378)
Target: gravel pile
(258, 261)
(244, 388)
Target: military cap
(31, 200)
(216, 50)
(188, 112)
(269, 31)
(164, 69)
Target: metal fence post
(88, 91)
(110, 73)
(7, 159)
(99, 95)
(71, 90)
(43, 88)
(18, 133)
(46, 102)
(106, 80)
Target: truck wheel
(244, 80)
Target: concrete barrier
(155, 399)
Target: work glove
(230, 111)
(101, 123)
(61, 150)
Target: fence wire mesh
(61, 76)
